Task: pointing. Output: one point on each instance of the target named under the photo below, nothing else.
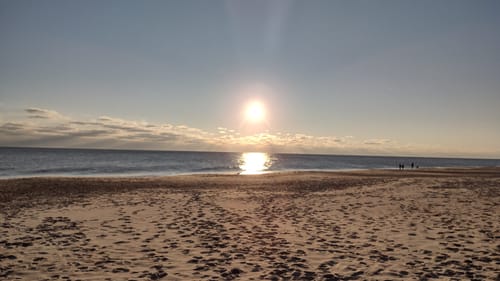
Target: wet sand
(364, 225)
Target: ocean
(34, 162)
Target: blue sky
(349, 77)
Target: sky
(335, 77)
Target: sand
(440, 224)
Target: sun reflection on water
(254, 163)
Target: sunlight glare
(255, 112)
(254, 163)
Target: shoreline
(240, 173)
(351, 225)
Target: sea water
(29, 162)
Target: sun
(255, 112)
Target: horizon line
(214, 151)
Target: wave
(21, 162)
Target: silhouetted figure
(412, 165)
(402, 166)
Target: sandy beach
(421, 224)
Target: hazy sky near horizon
(354, 77)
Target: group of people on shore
(412, 165)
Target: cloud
(39, 113)
(11, 126)
(53, 129)
(43, 127)
(377, 141)
(106, 119)
(89, 133)
(47, 128)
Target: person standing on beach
(412, 165)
